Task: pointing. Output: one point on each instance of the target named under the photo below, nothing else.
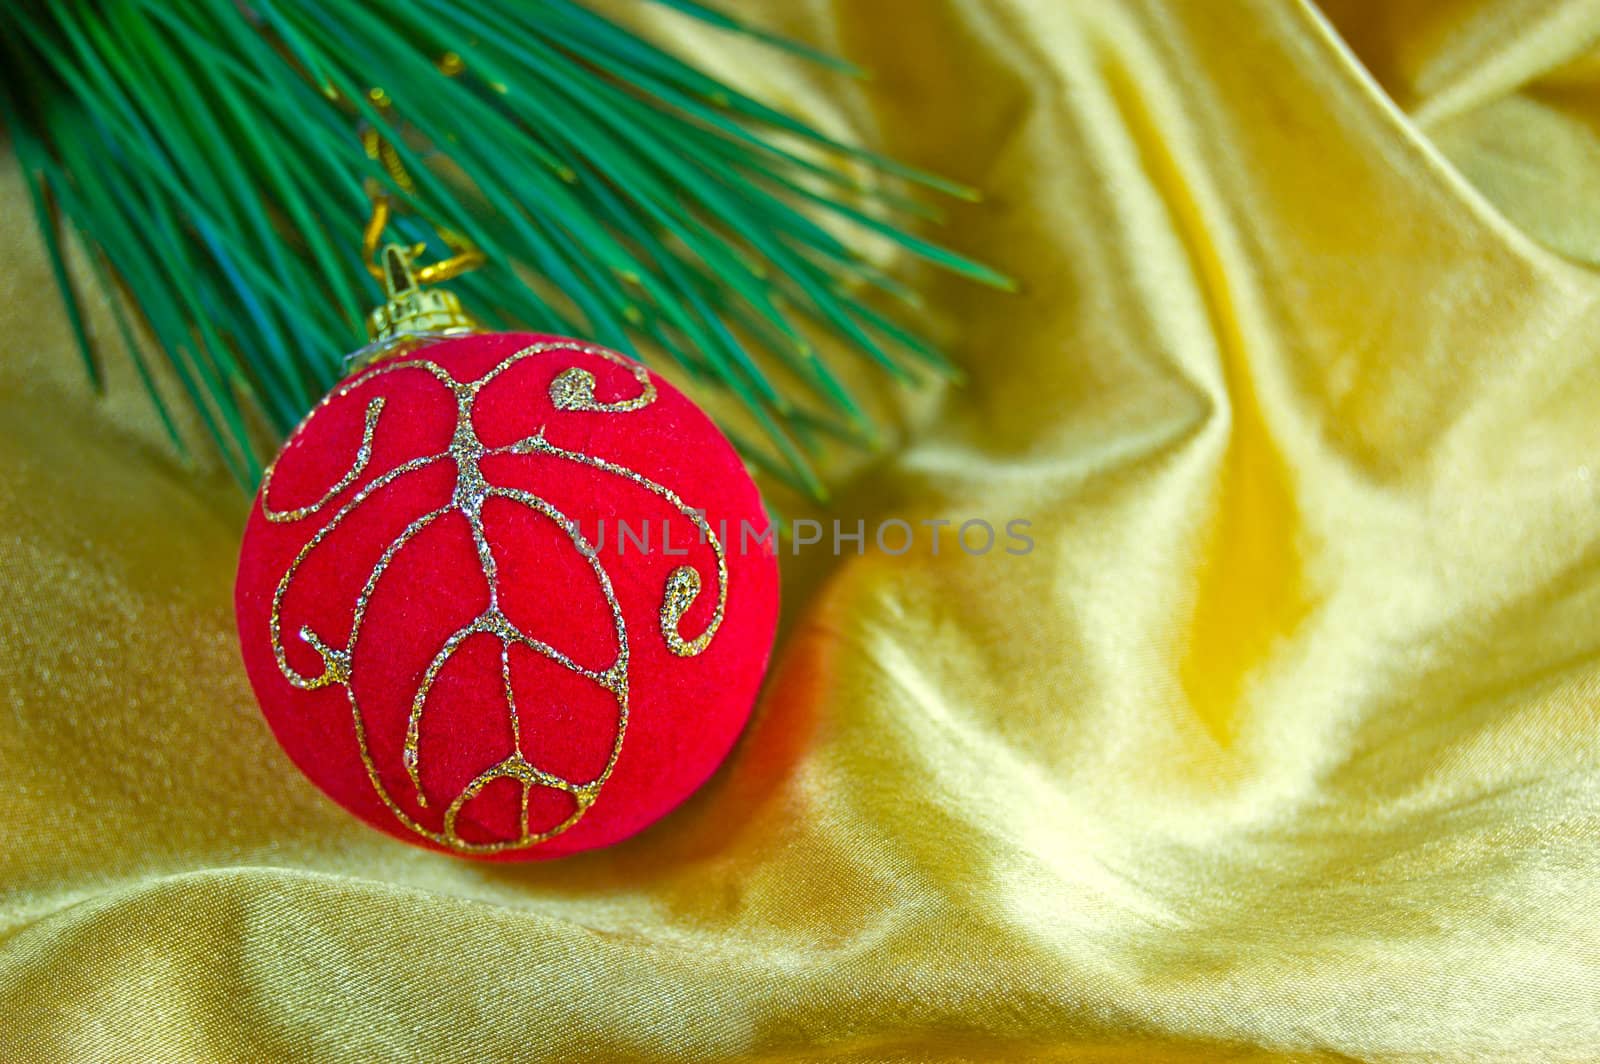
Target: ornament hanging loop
(464, 260)
(411, 311)
(410, 316)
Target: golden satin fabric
(1283, 742)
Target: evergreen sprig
(207, 154)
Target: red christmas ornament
(507, 596)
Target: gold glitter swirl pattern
(363, 456)
(572, 389)
(680, 591)
(683, 587)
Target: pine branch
(207, 154)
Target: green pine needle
(207, 154)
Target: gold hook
(410, 315)
(465, 257)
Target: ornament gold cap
(411, 315)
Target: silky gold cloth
(1281, 743)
